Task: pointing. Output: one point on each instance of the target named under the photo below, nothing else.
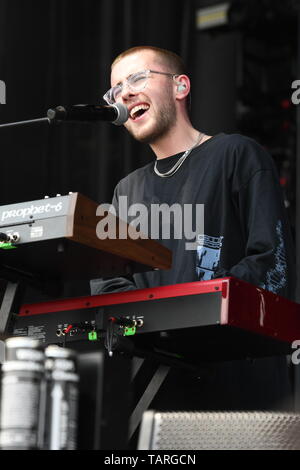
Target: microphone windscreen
(123, 114)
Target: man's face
(157, 97)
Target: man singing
(245, 232)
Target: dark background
(56, 52)
(59, 52)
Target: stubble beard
(165, 120)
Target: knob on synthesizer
(9, 237)
(14, 237)
(4, 237)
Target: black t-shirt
(246, 232)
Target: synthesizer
(199, 321)
(57, 237)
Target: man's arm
(115, 284)
(269, 260)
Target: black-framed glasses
(136, 82)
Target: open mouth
(138, 111)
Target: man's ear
(183, 86)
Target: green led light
(7, 246)
(93, 336)
(129, 331)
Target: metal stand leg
(147, 397)
(11, 304)
(137, 363)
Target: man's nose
(126, 92)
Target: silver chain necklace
(179, 162)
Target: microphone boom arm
(22, 123)
(117, 114)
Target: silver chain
(179, 162)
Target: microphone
(117, 113)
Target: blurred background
(241, 54)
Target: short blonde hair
(173, 62)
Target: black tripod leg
(11, 303)
(146, 399)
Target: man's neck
(179, 139)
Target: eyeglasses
(136, 82)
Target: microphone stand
(22, 123)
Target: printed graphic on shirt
(208, 256)
(276, 278)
